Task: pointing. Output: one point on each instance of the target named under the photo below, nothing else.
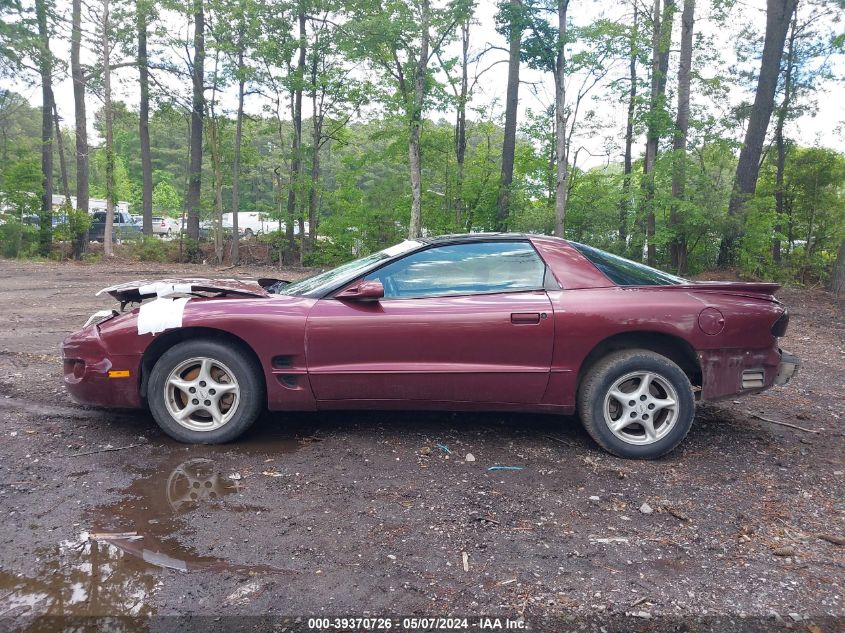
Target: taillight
(779, 327)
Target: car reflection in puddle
(112, 568)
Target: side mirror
(362, 291)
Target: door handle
(525, 318)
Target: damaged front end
(170, 296)
(102, 362)
(137, 291)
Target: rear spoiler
(745, 288)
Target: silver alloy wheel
(641, 407)
(201, 394)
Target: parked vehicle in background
(207, 228)
(251, 223)
(33, 219)
(500, 322)
(163, 226)
(124, 226)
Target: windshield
(325, 281)
(624, 272)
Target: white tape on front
(161, 314)
(163, 289)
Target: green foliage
(73, 223)
(146, 248)
(20, 201)
(329, 253)
(191, 250)
(166, 199)
(364, 106)
(124, 187)
(813, 223)
(17, 239)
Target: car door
(467, 322)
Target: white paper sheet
(161, 314)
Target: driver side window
(461, 269)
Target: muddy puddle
(116, 563)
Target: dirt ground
(348, 514)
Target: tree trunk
(108, 232)
(837, 280)
(313, 195)
(625, 202)
(296, 158)
(67, 204)
(141, 17)
(60, 149)
(192, 200)
(780, 141)
(415, 162)
(678, 246)
(236, 162)
(316, 140)
(661, 41)
(561, 182)
(45, 66)
(461, 127)
(511, 114)
(415, 124)
(217, 170)
(778, 17)
(81, 123)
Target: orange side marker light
(119, 373)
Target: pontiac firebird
(496, 322)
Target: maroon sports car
(501, 322)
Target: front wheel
(636, 404)
(205, 392)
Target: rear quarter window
(624, 272)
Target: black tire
(247, 375)
(594, 391)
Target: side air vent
(753, 378)
(282, 362)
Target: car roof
(476, 237)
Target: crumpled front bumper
(93, 376)
(787, 368)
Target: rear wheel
(636, 404)
(205, 392)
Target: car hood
(135, 291)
